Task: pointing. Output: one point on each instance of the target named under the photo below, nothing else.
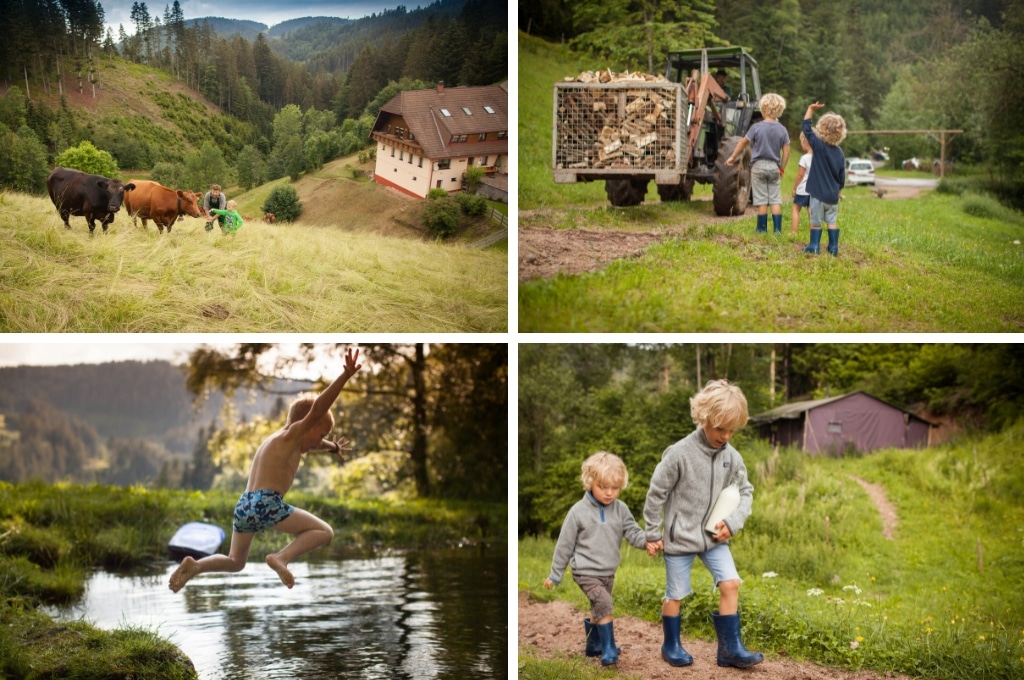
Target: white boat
(195, 539)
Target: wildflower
(854, 588)
(928, 630)
(981, 637)
(769, 574)
(860, 638)
(854, 645)
(814, 592)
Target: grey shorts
(766, 183)
(823, 212)
(598, 590)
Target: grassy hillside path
(886, 509)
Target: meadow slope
(333, 274)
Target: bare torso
(275, 464)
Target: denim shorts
(823, 212)
(718, 560)
(765, 183)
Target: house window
(445, 164)
(400, 132)
(467, 111)
(410, 158)
(489, 110)
(388, 130)
(484, 161)
(503, 134)
(419, 164)
(411, 136)
(401, 155)
(446, 113)
(482, 137)
(382, 147)
(497, 162)
(392, 152)
(835, 428)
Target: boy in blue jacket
(827, 176)
(684, 487)
(589, 543)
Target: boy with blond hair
(769, 142)
(261, 506)
(589, 542)
(827, 176)
(685, 484)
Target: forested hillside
(893, 65)
(62, 81)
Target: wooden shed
(855, 421)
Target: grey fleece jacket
(684, 487)
(591, 537)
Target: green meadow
(943, 600)
(944, 262)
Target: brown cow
(268, 218)
(91, 196)
(156, 202)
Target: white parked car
(860, 171)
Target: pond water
(435, 614)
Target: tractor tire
(623, 193)
(732, 184)
(676, 192)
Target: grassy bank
(943, 600)
(941, 263)
(51, 536)
(306, 276)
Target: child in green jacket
(232, 222)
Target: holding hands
(654, 546)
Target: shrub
(22, 161)
(472, 205)
(441, 217)
(283, 201)
(987, 206)
(169, 174)
(436, 193)
(88, 158)
(473, 177)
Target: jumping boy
(827, 176)
(685, 484)
(262, 505)
(769, 141)
(589, 542)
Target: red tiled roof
(424, 113)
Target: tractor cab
(740, 110)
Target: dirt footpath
(555, 629)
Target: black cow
(83, 195)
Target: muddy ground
(545, 252)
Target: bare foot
(185, 571)
(275, 563)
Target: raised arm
(324, 400)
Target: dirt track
(555, 629)
(545, 252)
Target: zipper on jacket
(711, 501)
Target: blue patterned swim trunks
(259, 510)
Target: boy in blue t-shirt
(827, 176)
(769, 142)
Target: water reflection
(425, 615)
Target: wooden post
(981, 565)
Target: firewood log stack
(616, 127)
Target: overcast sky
(62, 353)
(269, 12)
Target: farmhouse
(427, 139)
(831, 426)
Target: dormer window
(488, 109)
(446, 113)
(467, 111)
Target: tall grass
(944, 600)
(283, 277)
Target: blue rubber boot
(833, 242)
(593, 639)
(731, 651)
(609, 652)
(762, 224)
(814, 247)
(671, 650)
(776, 223)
